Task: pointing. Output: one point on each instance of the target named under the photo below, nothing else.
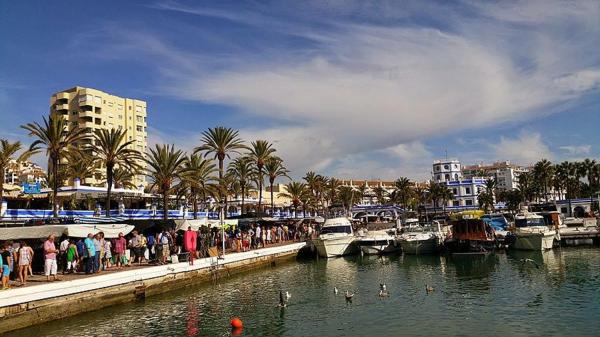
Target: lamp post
(222, 220)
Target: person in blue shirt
(90, 253)
(81, 253)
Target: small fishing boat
(470, 234)
(424, 239)
(336, 238)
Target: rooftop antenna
(446, 152)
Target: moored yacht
(336, 238)
(532, 233)
(426, 239)
(378, 242)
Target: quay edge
(29, 306)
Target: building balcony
(62, 95)
(86, 114)
(62, 106)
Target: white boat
(425, 239)
(336, 238)
(378, 242)
(532, 233)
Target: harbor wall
(28, 306)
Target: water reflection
(471, 293)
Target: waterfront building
(505, 173)
(369, 198)
(464, 191)
(446, 170)
(17, 173)
(92, 109)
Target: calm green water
(492, 296)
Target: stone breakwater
(23, 307)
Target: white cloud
(575, 150)
(526, 149)
(360, 87)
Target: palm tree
(543, 172)
(380, 194)
(526, 186)
(346, 196)
(403, 190)
(295, 191)
(315, 184)
(274, 169)
(332, 186)
(361, 192)
(196, 176)
(80, 166)
(165, 169)
(487, 195)
(55, 136)
(111, 150)
(220, 142)
(445, 194)
(241, 169)
(123, 178)
(8, 152)
(260, 152)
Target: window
(469, 202)
(447, 176)
(455, 203)
(144, 119)
(130, 107)
(138, 108)
(120, 107)
(138, 128)
(446, 167)
(97, 100)
(120, 116)
(437, 177)
(454, 191)
(145, 129)
(74, 112)
(467, 190)
(456, 176)
(139, 118)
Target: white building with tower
(465, 191)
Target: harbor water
(493, 295)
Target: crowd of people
(96, 253)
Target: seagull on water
(288, 295)
(428, 288)
(282, 301)
(349, 296)
(525, 261)
(382, 287)
(335, 290)
(383, 293)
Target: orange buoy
(236, 323)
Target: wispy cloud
(361, 86)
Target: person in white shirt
(258, 236)
(62, 253)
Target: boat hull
(534, 241)
(416, 247)
(333, 247)
(379, 249)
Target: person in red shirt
(189, 243)
(119, 247)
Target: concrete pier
(27, 306)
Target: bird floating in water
(282, 301)
(349, 296)
(428, 288)
(525, 261)
(383, 293)
(382, 287)
(288, 295)
(335, 290)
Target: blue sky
(352, 89)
